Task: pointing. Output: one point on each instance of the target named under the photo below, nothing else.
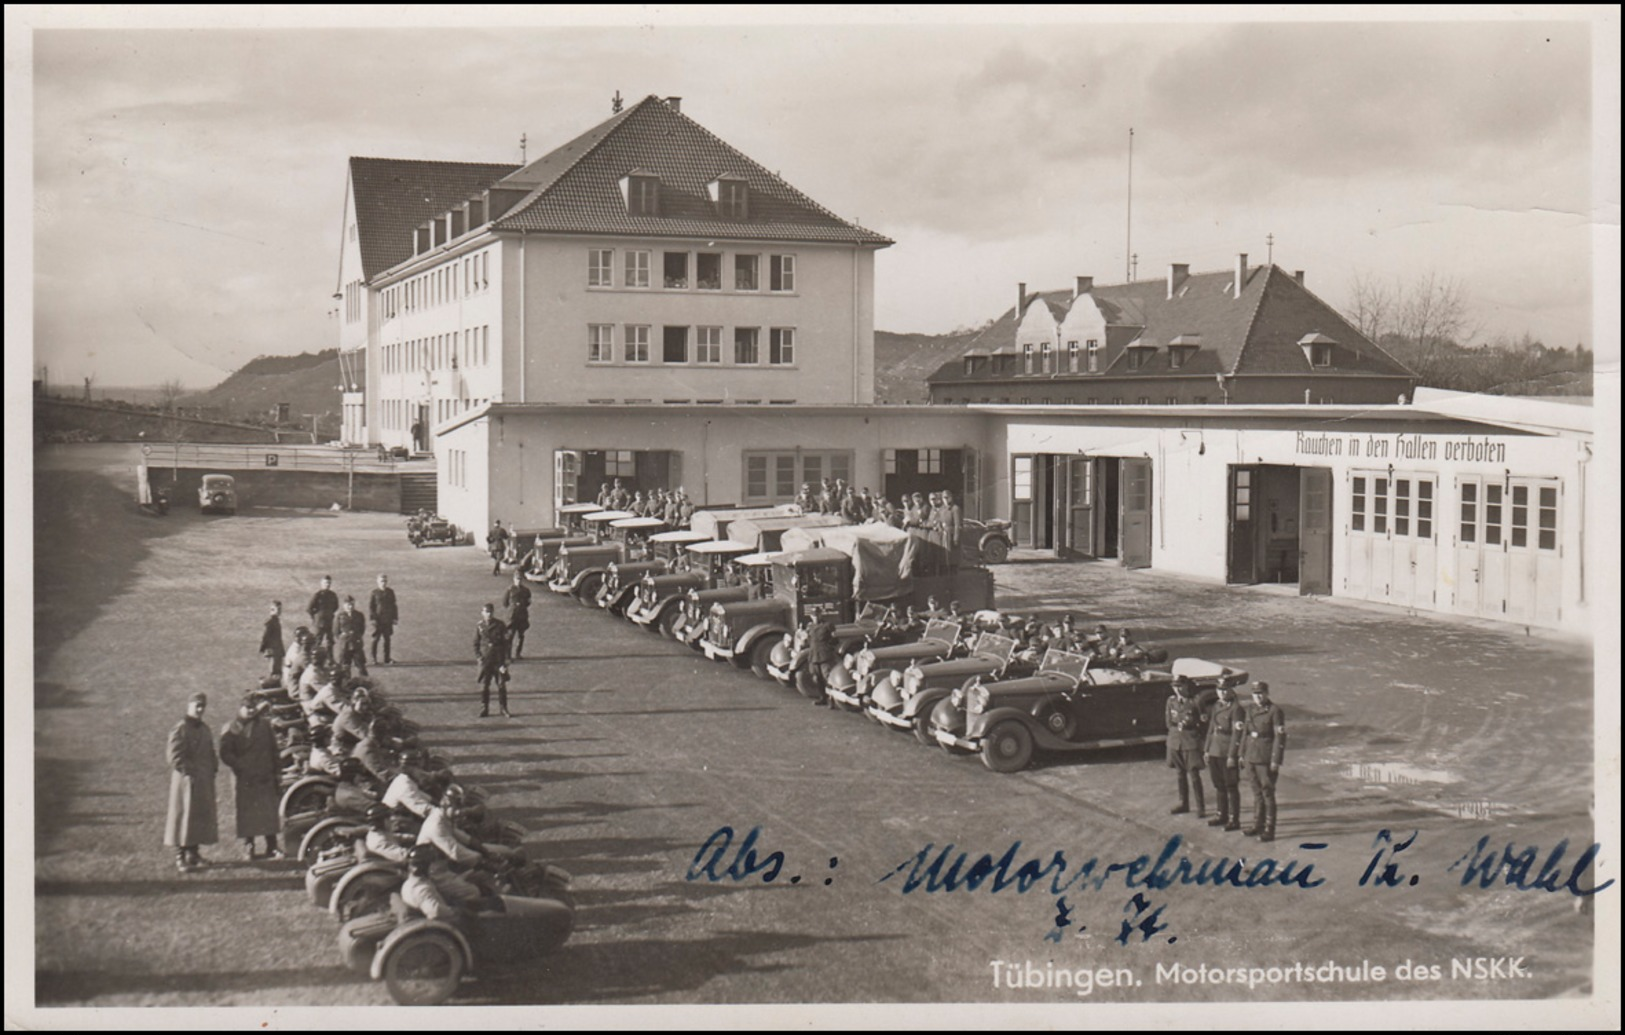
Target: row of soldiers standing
(1222, 736)
(673, 507)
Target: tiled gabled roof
(576, 188)
(1257, 333)
(393, 196)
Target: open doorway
(1082, 506)
(1280, 526)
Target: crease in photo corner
(1607, 734)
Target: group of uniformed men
(1222, 736)
(337, 628)
(673, 507)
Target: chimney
(1085, 285)
(1021, 301)
(1241, 273)
(1178, 272)
(1297, 275)
(675, 104)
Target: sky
(188, 183)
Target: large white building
(644, 261)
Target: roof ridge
(620, 119)
(1252, 318)
(426, 161)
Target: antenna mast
(1128, 232)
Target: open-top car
(435, 531)
(703, 565)
(1067, 705)
(904, 699)
(217, 493)
(985, 542)
(849, 687)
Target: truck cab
(806, 583)
(703, 565)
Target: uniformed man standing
(350, 629)
(385, 615)
(517, 602)
(953, 521)
(491, 650)
(324, 604)
(192, 764)
(1185, 745)
(1221, 764)
(496, 544)
(1260, 744)
(822, 652)
(271, 640)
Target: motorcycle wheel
(367, 895)
(424, 969)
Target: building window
(1492, 514)
(732, 198)
(1200, 400)
(620, 463)
(781, 346)
(1320, 355)
(929, 461)
(637, 344)
(1048, 360)
(746, 345)
(1176, 358)
(775, 477)
(708, 271)
(1027, 358)
(1173, 400)
(674, 269)
(1244, 494)
(599, 270)
(1144, 400)
(1117, 400)
(1547, 515)
(1469, 512)
(1139, 357)
(1072, 357)
(637, 269)
(1094, 357)
(782, 273)
(745, 273)
(708, 345)
(674, 345)
(643, 196)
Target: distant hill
(308, 383)
(904, 361)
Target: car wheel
(367, 895)
(668, 623)
(424, 969)
(996, 551)
(1008, 747)
(760, 656)
(922, 729)
(587, 593)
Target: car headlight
(957, 698)
(977, 699)
(912, 678)
(864, 662)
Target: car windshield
(1001, 647)
(947, 632)
(1064, 662)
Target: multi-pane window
(637, 269)
(782, 273)
(620, 463)
(745, 273)
(674, 269)
(600, 342)
(1469, 512)
(747, 345)
(1072, 357)
(775, 477)
(1138, 358)
(1094, 356)
(1493, 516)
(1424, 508)
(708, 271)
(599, 269)
(1379, 506)
(1546, 514)
(781, 346)
(1027, 358)
(1244, 494)
(1046, 359)
(637, 344)
(929, 461)
(643, 196)
(674, 345)
(708, 344)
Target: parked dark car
(217, 493)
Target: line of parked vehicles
(920, 645)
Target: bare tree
(1432, 316)
(1371, 306)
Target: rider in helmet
(422, 891)
(381, 841)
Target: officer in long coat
(350, 629)
(385, 614)
(271, 646)
(491, 650)
(192, 764)
(1221, 766)
(517, 602)
(1185, 758)
(324, 604)
(248, 748)
(1260, 745)
(496, 544)
(953, 521)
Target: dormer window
(642, 192)
(1139, 356)
(1181, 349)
(1318, 349)
(731, 195)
